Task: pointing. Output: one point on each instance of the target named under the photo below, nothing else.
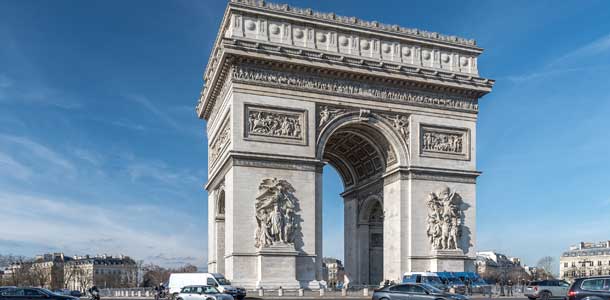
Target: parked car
(547, 289)
(179, 280)
(424, 277)
(591, 288)
(414, 291)
(202, 292)
(32, 294)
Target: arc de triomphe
(392, 109)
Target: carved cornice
(387, 91)
(308, 13)
(253, 28)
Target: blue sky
(101, 151)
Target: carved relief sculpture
(444, 219)
(276, 208)
(220, 143)
(445, 142)
(401, 124)
(351, 88)
(328, 113)
(275, 123)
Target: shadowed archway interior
(360, 155)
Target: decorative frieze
(300, 81)
(444, 142)
(276, 124)
(220, 142)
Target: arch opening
(360, 154)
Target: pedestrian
(510, 287)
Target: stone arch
(369, 204)
(219, 228)
(220, 202)
(375, 125)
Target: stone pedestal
(277, 267)
(447, 260)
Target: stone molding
(444, 142)
(276, 163)
(353, 21)
(431, 174)
(350, 88)
(251, 28)
(275, 124)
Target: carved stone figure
(327, 113)
(275, 213)
(275, 124)
(443, 142)
(356, 89)
(444, 219)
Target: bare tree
(545, 267)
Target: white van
(179, 280)
(424, 277)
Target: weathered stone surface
(393, 110)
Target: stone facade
(585, 259)
(393, 110)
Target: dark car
(414, 291)
(32, 294)
(590, 288)
(76, 294)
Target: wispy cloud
(545, 73)
(14, 91)
(128, 125)
(159, 171)
(14, 168)
(595, 47)
(89, 156)
(38, 150)
(557, 66)
(150, 106)
(74, 227)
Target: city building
(494, 266)
(332, 271)
(585, 259)
(57, 271)
(104, 271)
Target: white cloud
(33, 148)
(595, 47)
(11, 167)
(93, 158)
(555, 67)
(160, 172)
(78, 228)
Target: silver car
(202, 292)
(547, 289)
(414, 291)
